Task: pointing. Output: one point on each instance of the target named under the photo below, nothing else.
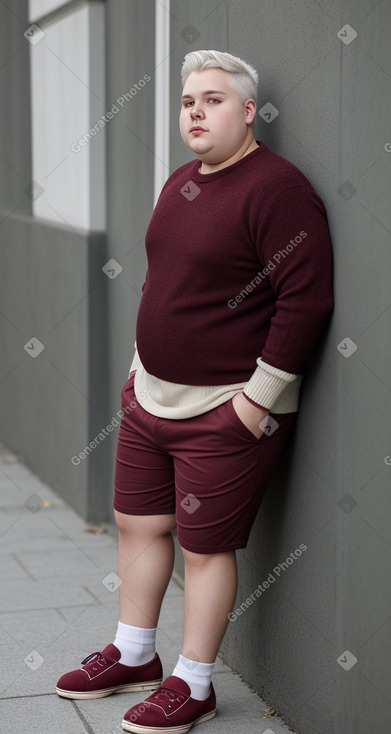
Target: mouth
(197, 129)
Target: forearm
(301, 278)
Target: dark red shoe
(101, 674)
(170, 709)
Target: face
(209, 102)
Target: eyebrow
(209, 91)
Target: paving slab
(12, 569)
(40, 714)
(58, 603)
(44, 594)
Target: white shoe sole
(133, 687)
(139, 729)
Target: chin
(198, 145)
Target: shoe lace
(168, 696)
(95, 657)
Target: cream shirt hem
(171, 400)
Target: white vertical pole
(162, 95)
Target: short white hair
(244, 78)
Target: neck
(247, 147)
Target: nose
(197, 111)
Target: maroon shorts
(209, 470)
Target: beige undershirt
(269, 387)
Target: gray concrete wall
(295, 642)
(15, 141)
(331, 492)
(52, 289)
(130, 172)
(51, 282)
(51, 405)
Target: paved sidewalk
(59, 602)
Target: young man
(237, 292)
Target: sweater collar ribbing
(207, 177)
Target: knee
(202, 559)
(144, 525)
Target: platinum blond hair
(243, 76)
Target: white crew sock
(136, 644)
(197, 676)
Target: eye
(213, 99)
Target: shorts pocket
(239, 425)
(128, 385)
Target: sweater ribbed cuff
(252, 402)
(267, 384)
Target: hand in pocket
(249, 414)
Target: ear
(250, 109)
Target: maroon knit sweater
(239, 267)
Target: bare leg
(210, 593)
(145, 564)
